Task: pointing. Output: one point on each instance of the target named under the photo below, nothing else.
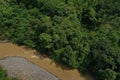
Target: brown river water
(62, 72)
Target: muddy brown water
(62, 72)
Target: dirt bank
(64, 73)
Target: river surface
(62, 72)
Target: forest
(81, 34)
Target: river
(62, 72)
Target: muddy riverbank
(62, 72)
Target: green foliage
(27, 3)
(3, 75)
(49, 6)
(82, 34)
(107, 74)
(69, 57)
(45, 41)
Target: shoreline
(62, 72)
(19, 64)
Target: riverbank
(62, 72)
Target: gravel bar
(25, 70)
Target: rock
(25, 70)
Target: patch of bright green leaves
(3, 75)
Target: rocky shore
(25, 70)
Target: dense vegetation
(3, 75)
(82, 34)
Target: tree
(45, 41)
(27, 3)
(107, 74)
(49, 6)
(69, 57)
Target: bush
(3, 75)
